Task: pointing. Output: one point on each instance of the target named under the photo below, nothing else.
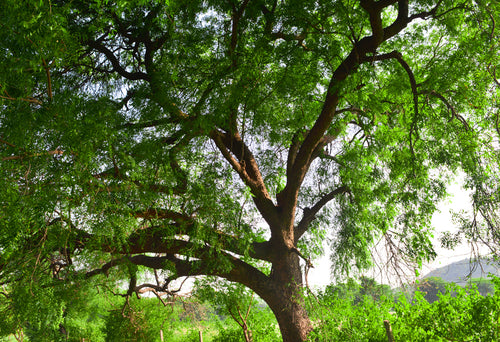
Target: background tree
(355, 291)
(483, 285)
(369, 287)
(217, 137)
(236, 303)
(431, 288)
(231, 300)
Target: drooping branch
(452, 110)
(413, 83)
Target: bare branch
(47, 153)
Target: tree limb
(116, 63)
(245, 165)
(154, 239)
(358, 54)
(452, 110)
(399, 57)
(41, 154)
(310, 213)
(239, 272)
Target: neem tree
(228, 138)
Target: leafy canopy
(218, 137)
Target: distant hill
(458, 272)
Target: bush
(460, 314)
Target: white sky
(442, 221)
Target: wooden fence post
(388, 330)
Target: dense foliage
(459, 314)
(144, 141)
(351, 311)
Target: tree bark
(293, 320)
(284, 297)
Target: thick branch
(243, 162)
(401, 21)
(237, 14)
(158, 239)
(168, 238)
(374, 10)
(240, 271)
(357, 55)
(297, 170)
(116, 63)
(292, 151)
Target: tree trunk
(286, 299)
(248, 334)
(293, 321)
